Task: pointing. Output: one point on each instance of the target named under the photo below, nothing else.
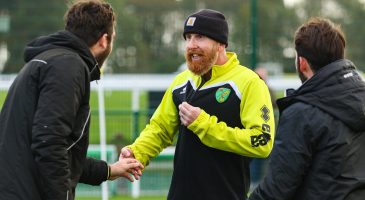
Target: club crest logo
(190, 21)
(222, 94)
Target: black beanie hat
(208, 22)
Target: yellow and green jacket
(212, 154)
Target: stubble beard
(300, 74)
(100, 58)
(302, 77)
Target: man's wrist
(109, 172)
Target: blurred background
(149, 51)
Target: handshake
(126, 166)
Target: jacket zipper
(190, 96)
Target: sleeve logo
(264, 138)
(260, 140)
(265, 113)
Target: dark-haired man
(45, 118)
(320, 143)
(222, 111)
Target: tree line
(149, 33)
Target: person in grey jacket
(320, 144)
(44, 122)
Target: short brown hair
(89, 20)
(320, 41)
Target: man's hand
(124, 167)
(188, 113)
(128, 153)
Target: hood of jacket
(63, 39)
(337, 89)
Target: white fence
(153, 82)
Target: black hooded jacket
(320, 145)
(44, 122)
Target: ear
(221, 47)
(100, 45)
(304, 67)
(103, 41)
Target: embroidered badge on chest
(222, 94)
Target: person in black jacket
(320, 144)
(45, 118)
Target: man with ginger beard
(222, 111)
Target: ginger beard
(199, 61)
